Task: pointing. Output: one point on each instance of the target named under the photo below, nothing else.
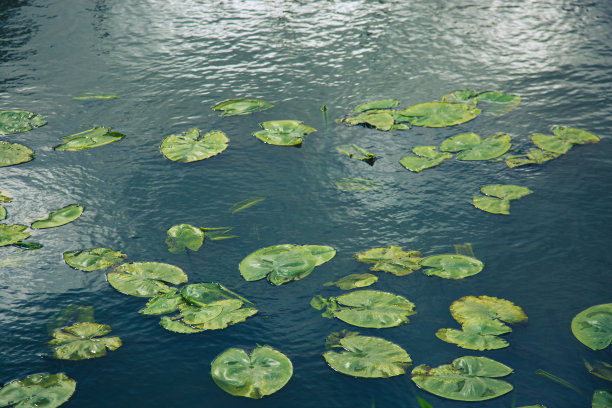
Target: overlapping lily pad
(93, 259)
(496, 103)
(145, 279)
(354, 281)
(38, 390)
(181, 237)
(283, 132)
(563, 140)
(467, 378)
(14, 153)
(381, 120)
(439, 114)
(60, 217)
(472, 147)
(357, 152)
(377, 104)
(233, 107)
(427, 157)
(452, 266)
(18, 121)
(593, 326)
(499, 197)
(10, 234)
(262, 373)
(91, 96)
(190, 146)
(164, 303)
(357, 184)
(392, 259)
(94, 137)
(533, 156)
(82, 341)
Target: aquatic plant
(38, 390)
(19, 121)
(498, 197)
(94, 137)
(190, 146)
(233, 107)
(82, 341)
(283, 132)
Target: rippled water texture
(170, 61)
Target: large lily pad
(439, 114)
(378, 104)
(533, 156)
(465, 379)
(471, 308)
(59, 217)
(427, 157)
(94, 137)
(283, 132)
(370, 357)
(38, 390)
(262, 373)
(593, 326)
(93, 259)
(14, 153)
(354, 281)
(10, 234)
(452, 266)
(91, 96)
(357, 184)
(233, 107)
(367, 308)
(392, 259)
(357, 152)
(182, 236)
(82, 341)
(602, 399)
(471, 147)
(190, 146)
(145, 279)
(18, 121)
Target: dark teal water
(170, 61)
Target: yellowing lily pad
(593, 326)
(14, 153)
(470, 308)
(190, 146)
(283, 132)
(551, 143)
(94, 137)
(439, 114)
(182, 236)
(533, 156)
(10, 234)
(471, 147)
(427, 158)
(392, 260)
(145, 279)
(353, 281)
(18, 121)
(38, 390)
(233, 107)
(563, 140)
(83, 341)
(60, 217)
(93, 259)
(452, 266)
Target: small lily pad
(492, 205)
(356, 152)
(378, 104)
(439, 114)
(353, 281)
(533, 156)
(471, 308)
(471, 147)
(427, 158)
(90, 96)
(369, 357)
(357, 184)
(82, 341)
(452, 266)
(262, 373)
(60, 217)
(471, 338)
(11, 234)
(145, 279)
(182, 236)
(461, 96)
(377, 119)
(593, 326)
(18, 121)
(2, 213)
(392, 260)
(93, 259)
(190, 146)
(94, 137)
(5, 197)
(283, 132)
(233, 107)
(14, 153)
(563, 140)
(38, 390)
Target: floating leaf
(5, 197)
(225, 313)
(145, 279)
(203, 294)
(475, 336)
(333, 340)
(465, 379)
(378, 104)
(427, 157)
(59, 217)
(82, 341)
(94, 137)
(353, 281)
(600, 369)
(470, 309)
(551, 143)
(491, 204)
(379, 120)
(14, 153)
(233, 107)
(357, 184)
(502, 194)
(573, 135)
(38, 390)
(2, 213)
(30, 246)
(182, 236)
(10, 234)
(392, 259)
(533, 156)
(18, 121)
(178, 326)
(356, 152)
(602, 399)
(370, 357)
(190, 147)
(593, 326)
(283, 132)
(262, 373)
(92, 259)
(241, 205)
(90, 96)
(471, 147)
(439, 114)
(164, 303)
(452, 266)
(462, 96)
(498, 103)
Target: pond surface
(171, 61)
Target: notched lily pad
(427, 157)
(499, 198)
(11, 234)
(496, 103)
(533, 156)
(563, 140)
(92, 259)
(145, 279)
(190, 146)
(471, 147)
(378, 104)
(182, 236)
(38, 390)
(357, 184)
(19, 121)
(82, 341)
(593, 326)
(283, 132)
(392, 259)
(94, 137)
(14, 153)
(353, 281)
(60, 217)
(439, 114)
(233, 107)
(91, 96)
(356, 152)
(452, 266)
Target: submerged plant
(90, 96)
(244, 204)
(357, 152)
(353, 281)
(357, 184)
(190, 146)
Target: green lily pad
(60, 217)
(10, 234)
(94, 137)
(190, 146)
(471, 147)
(90, 96)
(499, 203)
(262, 373)
(283, 132)
(353, 281)
(14, 153)
(38, 390)
(178, 326)
(211, 316)
(378, 104)
(164, 303)
(18, 121)
(593, 326)
(93, 259)
(573, 135)
(379, 120)
(5, 197)
(369, 357)
(533, 156)
(367, 308)
(551, 143)
(471, 338)
(602, 399)
(465, 379)
(203, 294)
(470, 309)
(452, 266)
(145, 279)
(439, 114)
(182, 236)
(83, 341)
(491, 204)
(356, 152)
(357, 184)
(2, 213)
(392, 260)
(233, 107)
(427, 158)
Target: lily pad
(392, 260)
(353, 281)
(439, 114)
(499, 203)
(356, 152)
(465, 379)
(90, 96)
(94, 137)
(491, 204)
(18, 121)
(10, 234)
(472, 337)
(38, 390)
(83, 341)
(182, 236)
(60, 217)
(602, 399)
(461, 96)
(369, 357)
(380, 120)
(210, 316)
(551, 143)
(92, 259)
(190, 147)
(164, 303)
(496, 103)
(452, 266)
(593, 326)
(234, 107)
(573, 135)
(357, 184)
(203, 294)
(471, 147)
(178, 326)
(378, 104)
(533, 156)
(145, 279)
(283, 132)
(427, 158)
(14, 153)
(262, 373)
(470, 309)
(5, 197)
